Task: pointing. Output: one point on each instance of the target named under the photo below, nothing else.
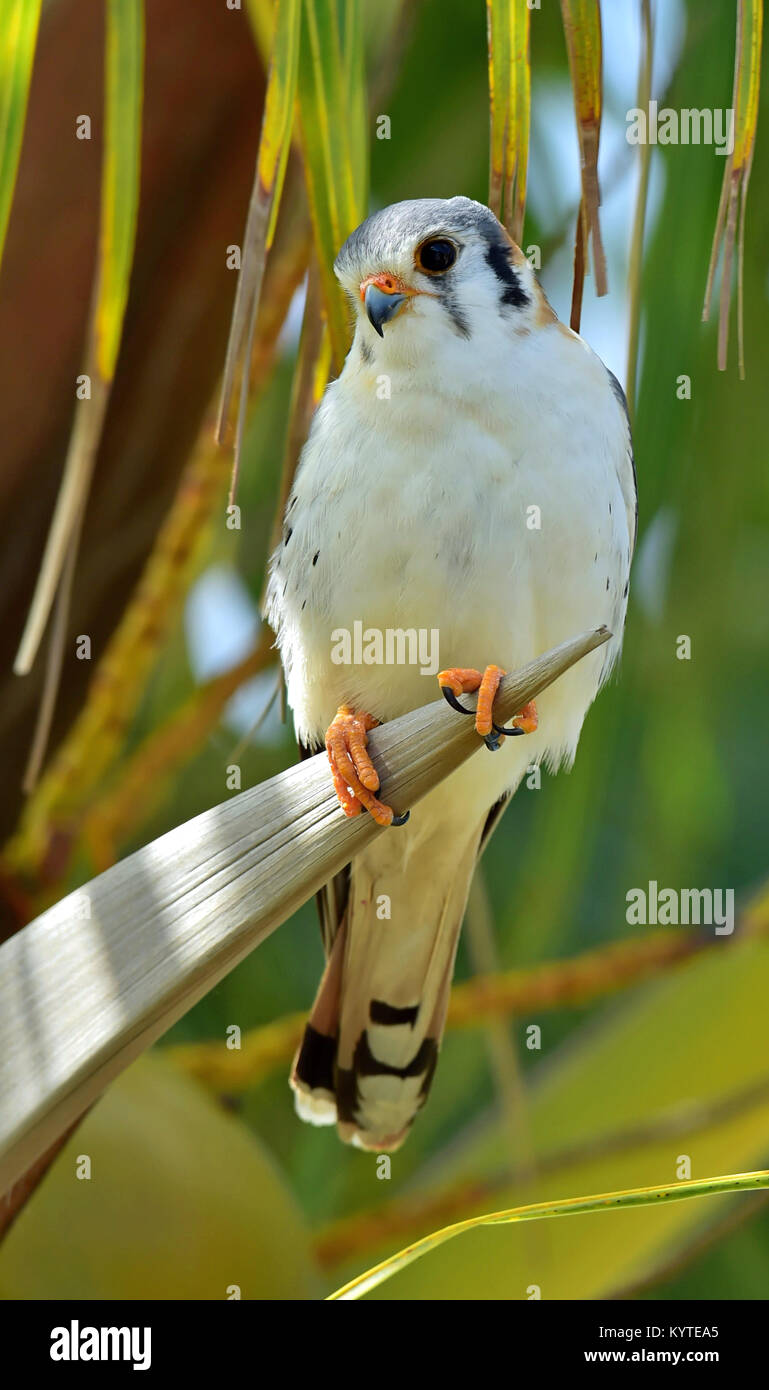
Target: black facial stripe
(388, 1014)
(454, 312)
(498, 257)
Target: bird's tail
(371, 1045)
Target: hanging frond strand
(582, 27)
(730, 220)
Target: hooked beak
(383, 296)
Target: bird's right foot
(355, 777)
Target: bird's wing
(492, 821)
(627, 475)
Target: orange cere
(388, 284)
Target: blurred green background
(669, 784)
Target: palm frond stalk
(92, 982)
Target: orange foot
(355, 777)
(461, 680)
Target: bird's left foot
(462, 680)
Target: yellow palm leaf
(334, 138)
(538, 1211)
(119, 204)
(274, 145)
(582, 26)
(18, 37)
(510, 102)
(734, 190)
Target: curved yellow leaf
(730, 219)
(18, 37)
(120, 174)
(571, 1206)
(271, 160)
(332, 110)
(119, 206)
(510, 101)
(582, 27)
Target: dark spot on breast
(304, 605)
(595, 558)
(366, 351)
(607, 586)
(291, 503)
(288, 535)
(624, 591)
(610, 509)
(315, 557)
(498, 257)
(285, 586)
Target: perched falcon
(470, 474)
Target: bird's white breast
(485, 503)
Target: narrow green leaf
(18, 37)
(571, 1206)
(278, 120)
(582, 27)
(355, 82)
(124, 59)
(120, 173)
(730, 220)
(271, 160)
(646, 64)
(333, 121)
(747, 79)
(499, 98)
(509, 101)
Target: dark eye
(436, 255)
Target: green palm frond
(124, 60)
(272, 156)
(582, 27)
(509, 102)
(730, 222)
(541, 1211)
(18, 37)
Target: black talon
(448, 694)
(400, 820)
(491, 742)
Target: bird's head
(430, 267)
